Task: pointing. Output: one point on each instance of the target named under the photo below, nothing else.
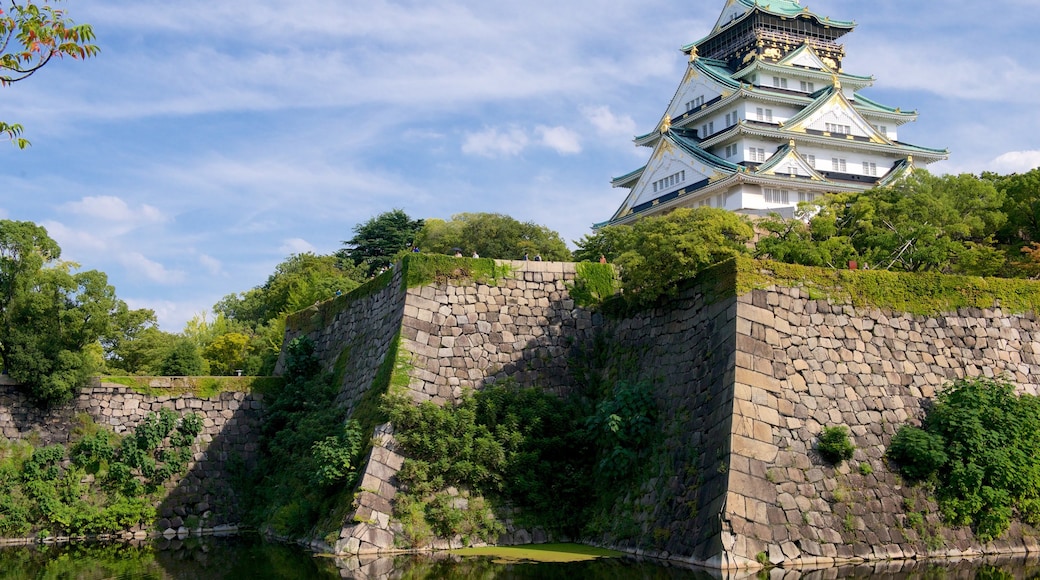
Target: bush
(834, 444)
(978, 447)
(919, 453)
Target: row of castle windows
(805, 86)
(840, 165)
(670, 181)
(784, 196)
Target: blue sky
(210, 140)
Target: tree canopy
(378, 240)
(491, 235)
(923, 222)
(658, 252)
(50, 314)
(31, 35)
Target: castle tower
(765, 117)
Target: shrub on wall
(978, 448)
(834, 444)
(47, 489)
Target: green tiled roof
(792, 8)
(689, 143)
(869, 104)
(785, 8)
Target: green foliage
(609, 242)
(305, 447)
(624, 427)
(50, 317)
(978, 447)
(336, 456)
(31, 34)
(834, 444)
(661, 251)
(593, 283)
(502, 442)
(378, 240)
(183, 360)
(46, 489)
(491, 235)
(254, 321)
(919, 223)
(920, 293)
(422, 269)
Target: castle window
(731, 119)
(870, 169)
(881, 129)
(778, 196)
(838, 165)
(810, 160)
(765, 115)
(808, 87)
(806, 196)
(779, 82)
(731, 150)
(708, 129)
(691, 105)
(756, 154)
(838, 129)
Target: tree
(227, 353)
(183, 360)
(378, 240)
(296, 283)
(491, 235)
(608, 241)
(31, 35)
(924, 222)
(919, 223)
(1021, 205)
(49, 314)
(661, 251)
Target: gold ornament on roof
(666, 124)
(837, 81)
(693, 54)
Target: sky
(208, 141)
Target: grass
(545, 553)
(204, 387)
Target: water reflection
(250, 558)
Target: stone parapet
(231, 422)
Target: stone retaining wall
(231, 427)
(744, 386)
(802, 365)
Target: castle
(766, 117)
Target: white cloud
(608, 124)
(296, 246)
(1016, 162)
(492, 143)
(151, 270)
(560, 139)
(74, 241)
(114, 209)
(172, 315)
(211, 264)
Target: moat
(251, 557)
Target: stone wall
(352, 334)
(802, 365)
(744, 386)
(231, 428)
(454, 336)
(685, 351)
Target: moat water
(250, 558)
